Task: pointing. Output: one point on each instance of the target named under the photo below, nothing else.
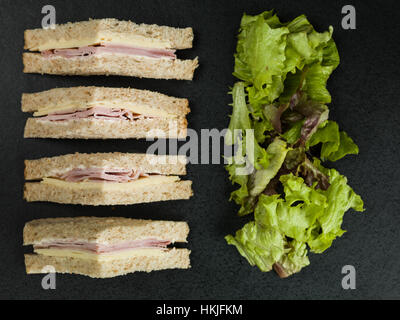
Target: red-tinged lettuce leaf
(312, 175)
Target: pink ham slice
(102, 174)
(95, 112)
(110, 48)
(102, 248)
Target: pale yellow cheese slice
(126, 39)
(111, 186)
(117, 104)
(80, 254)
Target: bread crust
(179, 38)
(36, 191)
(110, 230)
(59, 97)
(91, 128)
(111, 64)
(149, 163)
(172, 259)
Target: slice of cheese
(87, 255)
(104, 37)
(111, 186)
(115, 103)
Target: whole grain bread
(91, 128)
(149, 163)
(179, 38)
(36, 191)
(60, 97)
(111, 64)
(171, 259)
(110, 230)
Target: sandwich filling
(107, 179)
(102, 113)
(97, 251)
(107, 48)
(103, 174)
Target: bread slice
(89, 96)
(111, 64)
(37, 191)
(171, 259)
(109, 230)
(148, 163)
(106, 29)
(107, 129)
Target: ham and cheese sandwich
(109, 47)
(104, 247)
(106, 179)
(104, 113)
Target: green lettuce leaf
(241, 132)
(240, 119)
(269, 51)
(293, 134)
(260, 55)
(335, 144)
(257, 182)
(285, 225)
(279, 113)
(260, 245)
(340, 198)
(294, 259)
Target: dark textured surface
(364, 89)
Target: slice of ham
(102, 174)
(102, 248)
(95, 112)
(110, 49)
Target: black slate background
(365, 103)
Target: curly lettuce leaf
(260, 55)
(269, 51)
(304, 216)
(279, 112)
(260, 245)
(340, 198)
(335, 144)
(294, 259)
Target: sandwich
(109, 47)
(104, 113)
(104, 247)
(106, 179)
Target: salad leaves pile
(280, 125)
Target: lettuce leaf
(251, 186)
(268, 50)
(286, 225)
(293, 134)
(257, 182)
(294, 259)
(261, 55)
(340, 198)
(260, 245)
(279, 114)
(335, 144)
(241, 130)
